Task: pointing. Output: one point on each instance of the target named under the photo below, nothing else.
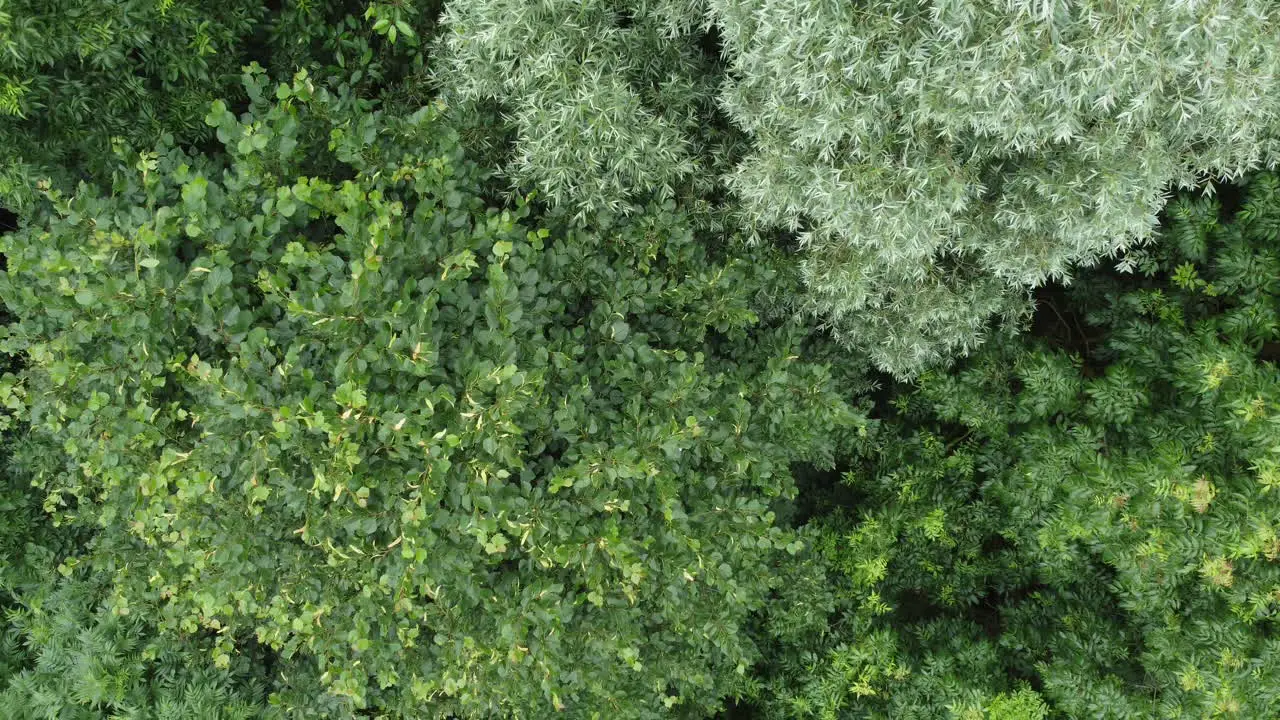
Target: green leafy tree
(75, 73)
(887, 615)
(319, 397)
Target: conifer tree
(1091, 511)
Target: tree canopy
(704, 359)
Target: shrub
(321, 397)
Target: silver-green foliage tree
(321, 398)
(937, 149)
(606, 98)
(936, 159)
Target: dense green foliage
(78, 75)
(1101, 518)
(327, 399)
(590, 359)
